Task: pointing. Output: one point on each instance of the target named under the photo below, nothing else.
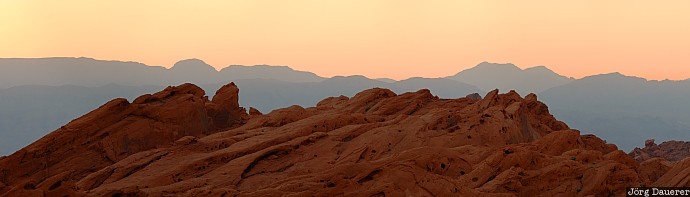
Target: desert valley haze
(364, 98)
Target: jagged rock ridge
(669, 150)
(114, 132)
(178, 143)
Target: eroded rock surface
(178, 143)
(115, 132)
(670, 150)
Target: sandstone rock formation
(254, 111)
(677, 176)
(670, 150)
(113, 132)
(377, 143)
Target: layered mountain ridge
(57, 71)
(489, 76)
(375, 143)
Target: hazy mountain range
(488, 76)
(39, 95)
(93, 73)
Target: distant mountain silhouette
(444, 88)
(93, 73)
(281, 73)
(77, 71)
(193, 71)
(489, 76)
(624, 110)
(389, 80)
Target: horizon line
(218, 69)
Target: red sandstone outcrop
(254, 111)
(670, 150)
(113, 132)
(653, 169)
(677, 176)
(377, 143)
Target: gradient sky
(376, 38)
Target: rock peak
(486, 64)
(649, 143)
(542, 69)
(192, 65)
(224, 108)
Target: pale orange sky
(375, 38)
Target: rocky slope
(178, 143)
(113, 132)
(669, 150)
